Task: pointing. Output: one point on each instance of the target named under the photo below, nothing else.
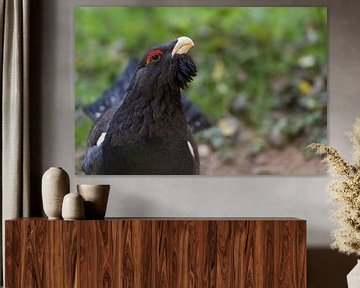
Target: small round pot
(96, 198)
(73, 207)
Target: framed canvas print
(200, 90)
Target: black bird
(114, 96)
(147, 133)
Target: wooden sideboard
(156, 252)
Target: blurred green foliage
(266, 66)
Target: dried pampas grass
(345, 191)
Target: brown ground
(288, 161)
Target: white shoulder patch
(191, 149)
(101, 139)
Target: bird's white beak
(183, 45)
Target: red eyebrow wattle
(152, 53)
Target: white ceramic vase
(353, 278)
(73, 207)
(96, 198)
(55, 185)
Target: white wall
(303, 197)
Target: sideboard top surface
(175, 219)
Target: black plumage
(146, 131)
(114, 96)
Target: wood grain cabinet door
(156, 252)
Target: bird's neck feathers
(154, 89)
(152, 106)
(155, 109)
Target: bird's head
(168, 64)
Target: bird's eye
(154, 56)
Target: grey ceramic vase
(96, 198)
(55, 185)
(73, 207)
